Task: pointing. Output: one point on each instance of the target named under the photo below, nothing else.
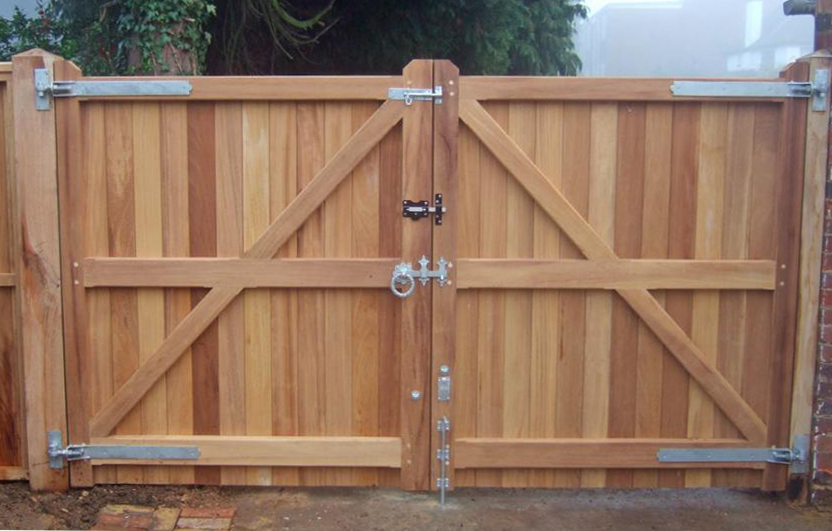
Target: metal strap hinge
(409, 94)
(58, 453)
(817, 89)
(797, 456)
(46, 89)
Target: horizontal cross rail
(239, 272)
(615, 274)
(385, 452)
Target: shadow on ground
(375, 509)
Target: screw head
(415, 395)
(444, 369)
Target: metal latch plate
(76, 452)
(409, 94)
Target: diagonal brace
(286, 224)
(595, 248)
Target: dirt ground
(376, 509)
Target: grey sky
(7, 6)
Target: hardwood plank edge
(8, 280)
(13, 473)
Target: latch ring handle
(401, 275)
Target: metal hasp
(416, 210)
(443, 454)
(45, 89)
(75, 452)
(797, 457)
(817, 90)
(405, 275)
(409, 95)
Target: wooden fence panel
(12, 421)
(203, 179)
(654, 180)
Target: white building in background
(691, 38)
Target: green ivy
(152, 27)
(109, 37)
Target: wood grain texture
(616, 274)
(582, 453)
(445, 242)
(39, 269)
(219, 298)
(12, 416)
(593, 247)
(814, 180)
(417, 152)
(236, 451)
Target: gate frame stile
(417, 176)
(794, 121)
(445, 182)
(72, 195)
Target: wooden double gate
(623, 268)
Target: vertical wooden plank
(72, 194)
(654, 243)
(762, 225)
(417, 155)
(202, 219)
(705, 325)
(681, 242)
(789, 195)
(732, 308)
(569, 412)
(94, 164)
(311, 308)
(491, 319)
(176, 226)
(602, 212)
(39, 270)
(283, 168)
(122, 234)
(519, 244)
(629, 201)
(151, 301)
(365, 303)
(389, 313)
(445, 182)
(257, 302)
(465, 371)
(338, 316)
(231, 322)
(545, 304)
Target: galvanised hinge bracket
(817, 89)
(46, 89)
(409, 94)
(797, 457)
(58, 453)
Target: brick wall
(822, 422)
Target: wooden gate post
(35, 158)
